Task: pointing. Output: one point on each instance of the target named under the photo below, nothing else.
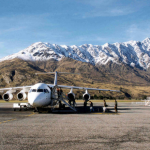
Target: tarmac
(24, 130)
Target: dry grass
(134, 82)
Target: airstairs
(56, 100)
(63, 100)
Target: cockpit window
(33, 90)
(46, 91)
(40, 90)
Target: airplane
(42, 95)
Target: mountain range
(110, 66)
(133, 53)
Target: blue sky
(71, 22)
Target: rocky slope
(18, 72)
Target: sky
(71, 22)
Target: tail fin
(56, 73)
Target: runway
(128, 129)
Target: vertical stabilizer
(56, 73)
(55, 80)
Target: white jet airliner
(42, 95)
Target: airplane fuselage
(39, 95)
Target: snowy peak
(147, 40)
(133, 53)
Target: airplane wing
(85, 88)
(15, 88)
(21, 87)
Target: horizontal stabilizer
(57, 73)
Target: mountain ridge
(132, 53)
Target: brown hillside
(133, 81)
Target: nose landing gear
(36, 110)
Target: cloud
(8, 30)
(22, 22)
(138, 31)
(109, 12)
(11, 24)
(103, 8)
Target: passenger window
(40, 90)
(33, 90)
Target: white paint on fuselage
(39, 99)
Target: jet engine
(86, 96)
(21, 96)
(71, 95)
(7, 96)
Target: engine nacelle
(7, 96)
(86, 96)
(21, 96)
(71, 95)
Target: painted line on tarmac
(7, 121)
(30, 114)
(14, 119)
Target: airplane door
(46, 94)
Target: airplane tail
(56, 73)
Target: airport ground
(127, 129)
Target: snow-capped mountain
(133, 53)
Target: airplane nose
(35, 101)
